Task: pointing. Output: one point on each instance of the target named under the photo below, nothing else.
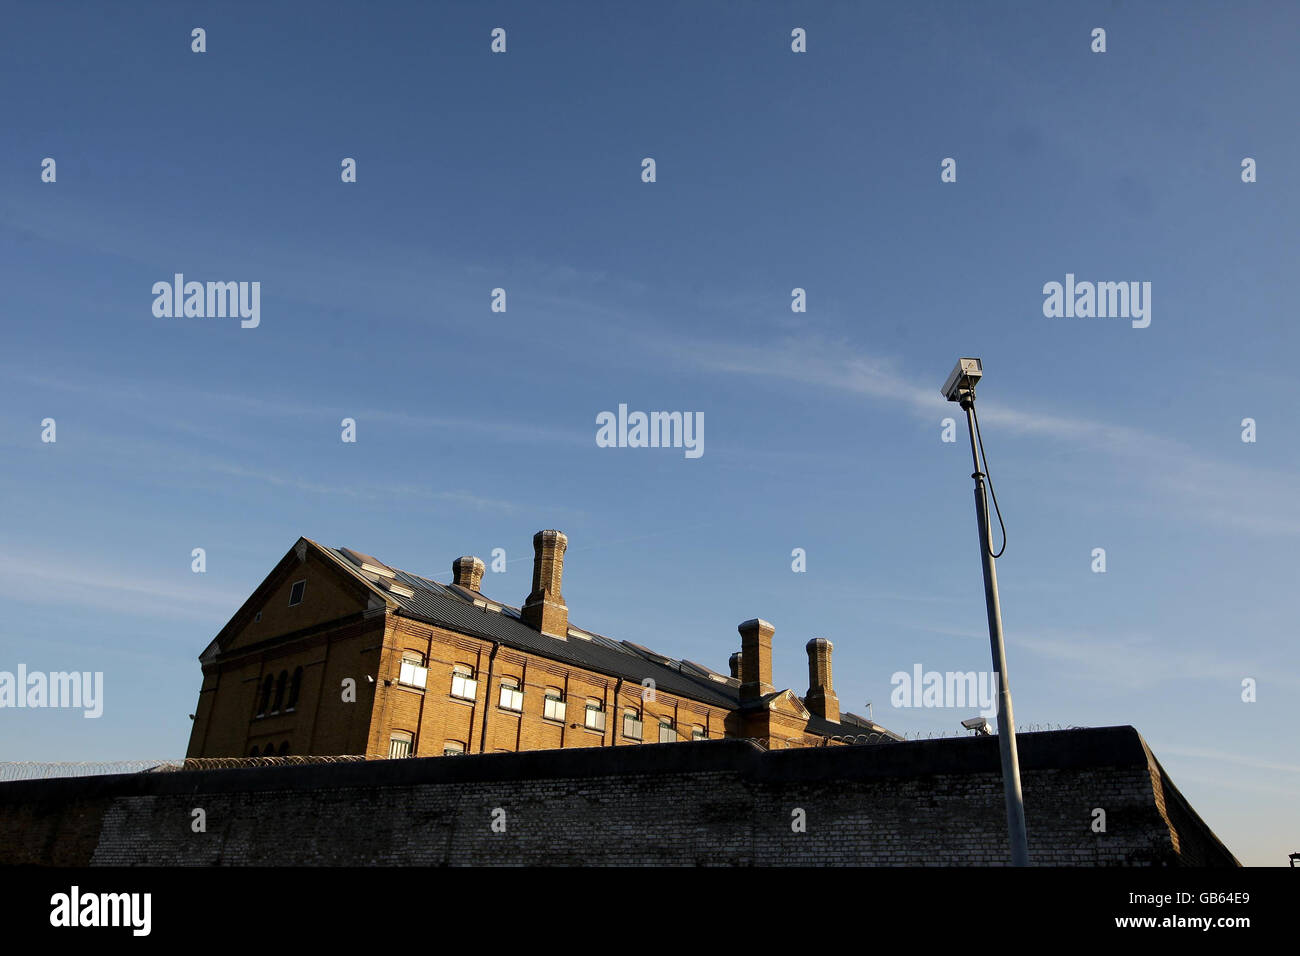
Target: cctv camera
(963, 378)
(977, 724)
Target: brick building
(338, 653)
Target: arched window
(667, 732)
(413, 671)
(453, 748)
(632, 723)
(295, 687)
(284, 749)
(595, 715)
(267, 686)
(463, 684)
(400, 743)
(553, 709)
(512, 698)
(254, 752)
(279, 691)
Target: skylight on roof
(366, 563)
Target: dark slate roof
(454, 608)
(440, 605)
(850, 726)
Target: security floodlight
(963, 378)
(979, 725)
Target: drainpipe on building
(612, 718)
(487, 698)
(380, 695)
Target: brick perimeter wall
(713, 802)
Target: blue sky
(775, 170)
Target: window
(512, 698)
(279, 691)
(399, 744)
(699, 733)
(554, 707)
(284, 749)
(295, 687)
(254, 752)
(463, 684)
(595, 719)
(268, 685)
(632, 723)
(295, 592)
(413, 672)
(453, 748)
(667, 734)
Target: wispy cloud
(1135, 661)
(1224, 782)
(32, 578)
(1221, 756)
(1262, 501)
(145, 397)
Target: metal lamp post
(960, 388)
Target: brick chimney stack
(467, 571)
(545, 608)
(821, 699)
(755, 659)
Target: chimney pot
(755, 659)
(467, 571)
(821, 698)
(545, 608)
(734, 663)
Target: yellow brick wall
(433, 716)
(321, 723)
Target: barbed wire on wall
(43, 770)
(1035, 728)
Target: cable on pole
(984, 464)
